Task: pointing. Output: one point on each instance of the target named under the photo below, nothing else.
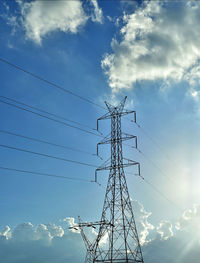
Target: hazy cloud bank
(44, 243)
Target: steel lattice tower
(117, 240)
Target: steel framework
(117, 239)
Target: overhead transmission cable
(74, 94)
(45, 142)
(152, 162)
(47, 155)
(49, 118)
(156, 166)
(155, 189)
(49, 82)
(45, 174)
(161, 194)
(46, 112)
(75, 128)
(154, 142)
(69, 92)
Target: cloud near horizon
(44, 243)
(158, 41)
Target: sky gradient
(99, 50)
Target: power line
(46, 142)
(161, 194)
(156, 166)
(155, 189)
(47, 155)
(46, 112)
(45, 174)
(152, 162)
(49, 82)
(76, 95)
(154, 142)
(49, 118)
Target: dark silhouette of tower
(117, 239)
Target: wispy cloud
(97, 15)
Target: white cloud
(11, 19)
(97, 15)
(24, 232)
(195, 93)
(70, 221)
(141, 217)
(40, 18)
(165, 229)
(5, 233)
(180, 246)
(189, 222)
(53, 243)
(159, 41)
(44, 243)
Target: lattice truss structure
(117, 239)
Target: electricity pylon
(117, 239)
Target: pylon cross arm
(123, 165)
(125, 137)
(110, 115)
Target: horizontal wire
(47, 155)
(49, 118)
(44, 111)
(155, 143)
(156, 166)
(161, 194)
(152, 162)
(49, 82)
(155, 189)
(45, 174)
(80, 97)
(45, 142)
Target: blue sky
(102, 51)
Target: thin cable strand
(49, 82)
(161, 194)
(155, 143)
(46, 112)
(156, 190)
(156, 166)
(45, 174)
(47, 155)
(45, 142)
(49, 118)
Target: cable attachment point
(139, 150)
(138, 125)
(95, 182)
(94, 129)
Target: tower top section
(116, 109)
